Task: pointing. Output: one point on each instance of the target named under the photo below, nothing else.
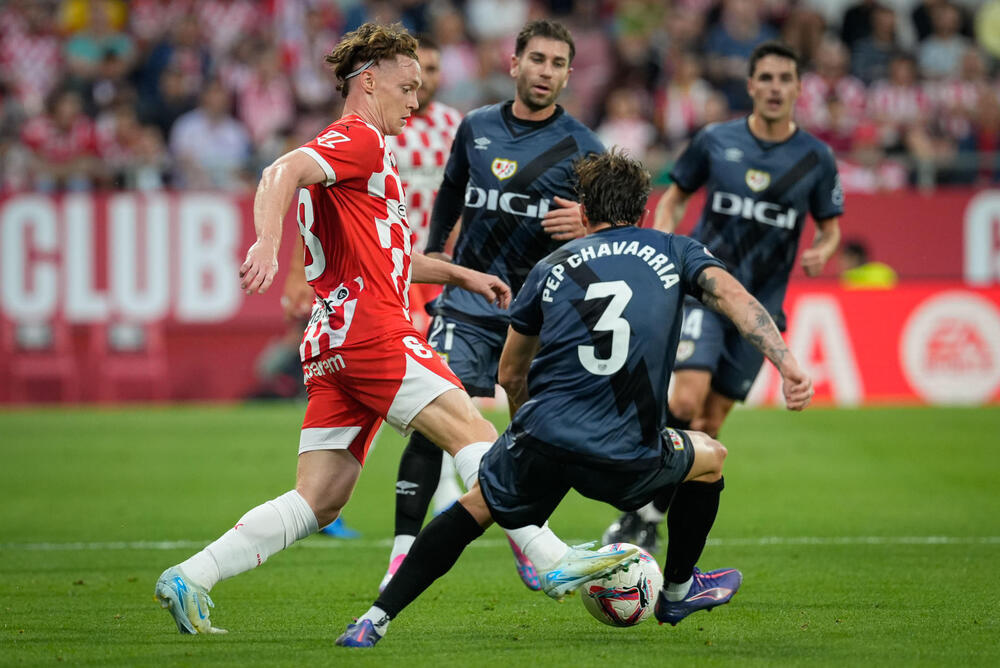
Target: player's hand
(297, 298)
(813, 261)
(565, 222)
(258, 271)
(797, 387)
(489, 286)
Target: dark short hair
(370, 41)
(425, 41)
(773, 48)
(544, 28)
(612, 187)
(856, 248)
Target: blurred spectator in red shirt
(63, 145)
(229, 20)
(266, 104)
(898, 104)
(984, 138)
(681, 103)
(866, 169)
(830, 80)
(133, 155)
(31, 54)
(625, 125)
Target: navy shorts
(710, 342)
(472, 352)
(523, 480)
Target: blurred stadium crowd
(156, 94)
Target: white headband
(360, 69)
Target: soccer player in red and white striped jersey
(362, 359)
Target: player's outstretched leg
(188, 602)
(434, 552)
(448, 490)
(418, 476)
(685, 588)
(267, 529)
(580, 565)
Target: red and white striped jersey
(357, 240)
(58, 145)
(811, 107)
(422, 151)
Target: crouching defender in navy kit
(510, 178)
(586, 364)
(762, 175)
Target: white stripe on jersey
(331, 177)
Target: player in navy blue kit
(586, 364)
(762, 175)
(510, 179)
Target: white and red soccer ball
(627, 597)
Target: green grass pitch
(866, 537)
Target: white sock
(540, 545)
(649, 513)
(447, 491)
(676, 592)
(264, 530)
(379, 619)
(467, 461)
(401, 545)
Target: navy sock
(418, 477)
(690, 518)
(434, 552)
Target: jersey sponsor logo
(733, 154)
(332, 138)
(757, 180)
(323, 367)
(481, 143)
(496, 200)
(503, 168)
(769, 213)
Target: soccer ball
(627, 597)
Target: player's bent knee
(710, 455)
(684, 408)
(475, 504)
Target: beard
(532, 100)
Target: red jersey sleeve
(347, 150)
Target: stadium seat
(126, 352)
(39, 352)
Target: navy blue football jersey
(510, 170)
(758, 195)
(607, 310)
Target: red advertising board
(75, 268)
(946, 234)
(936, 343)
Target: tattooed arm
(723, 293)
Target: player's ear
(514, 65)
(583, 217)
(566, 80)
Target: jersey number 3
(610, 321)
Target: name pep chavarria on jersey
(357, 240)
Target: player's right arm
(670, 209)
(515, 360)
(430, 270)
(274, 195)
(723, 293)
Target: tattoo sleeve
(724, 294)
